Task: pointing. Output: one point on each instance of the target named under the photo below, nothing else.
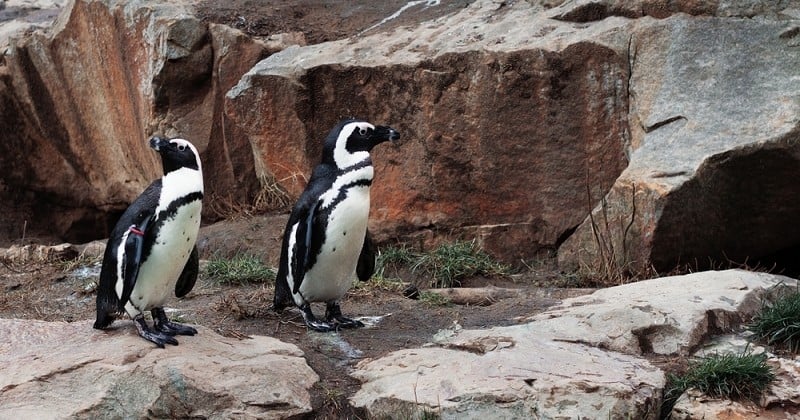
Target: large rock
(503, 130)
(665, 316)
(519, 119)
(715, 138)
(583, 359)
(510, 372)
(69, 370)
(80, 99)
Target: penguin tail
(104, 319)
(283, 297)
(106, 310)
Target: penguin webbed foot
(333, 314)
(160, 339)
(163, 325)
(312, 322)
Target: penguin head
(351, 141)
(176, 154)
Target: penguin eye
(181, 147)
(362, 131)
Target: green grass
(241, 269)
(392, 258)
(731, 376)
(778, 324)
(446, 265)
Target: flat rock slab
(669, 315)
(58, 370)
(509, 373)
(580, 360)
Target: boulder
(671, 125)
(60, 370)
(665, 316)
(509, 372)
(85, 95)
(714, 150)
(582, 359)
(503, 131)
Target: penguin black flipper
(366, 259)
(305, 242)
(304, 238)
(133, 254)
(189, 275)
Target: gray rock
(668, 316)
(714, 122)
(580, 360)
(69, 370)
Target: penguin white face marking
(343, 157)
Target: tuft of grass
(732, 376)
(393, 258)
(778, 324)
(241, 269)
(448, 264)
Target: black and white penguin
(326, 243)
(151, 252)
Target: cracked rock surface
(69, 370)
(588, 355)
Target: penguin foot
(333, 314)
(160, 339)
(312, 322)
(163, 325)
(343, 322)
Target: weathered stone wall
(645, 133)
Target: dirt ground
(63, 291)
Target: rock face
(503, 130)
(631, 134)
(80, 100)
(583, 359)
(69, 370)
(714, 117)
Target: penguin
(151, 251)
(325, 242)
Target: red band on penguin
(135, 231)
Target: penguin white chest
(334, 271)
(173, 244)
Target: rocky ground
(63, 291)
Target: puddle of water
(336, 346)
(371, 321)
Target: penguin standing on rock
(326, 243)
(151, 252)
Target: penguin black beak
(383, 133)
(156, 143)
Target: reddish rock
(81, 99)
(505, 141)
